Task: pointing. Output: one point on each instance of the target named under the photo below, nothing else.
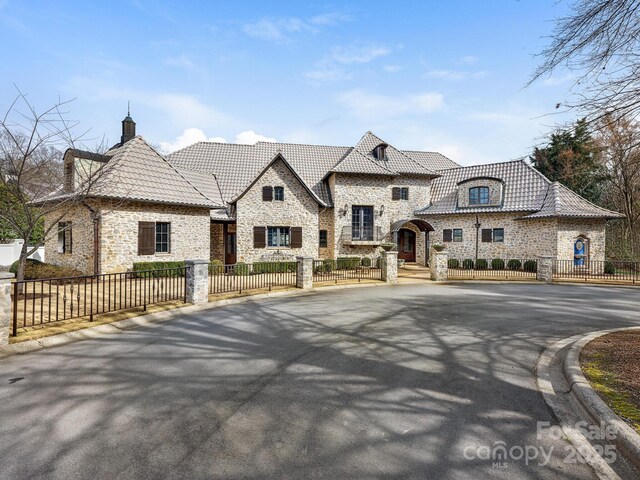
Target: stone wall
(421, 253)
(367, 190)
(523, 239)
(299, 209)
(81, 256)
(216, 231)
(495, 191)
(570, 229)
(326, 223)
(190, 234)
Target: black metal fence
(347, 268)
(495, 268)
(39, 302)
(593, 270)
(252, 276)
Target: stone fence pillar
(304, 278)
(5, 307)
(545, 269)
(439, 266)
(197, 281)
(389, 265)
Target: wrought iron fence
(251, 276)
(38, 302)
(347, 268)
(594, 270)
(495, 268)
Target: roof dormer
(380, 152)
(480, 192)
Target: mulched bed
(613, 361)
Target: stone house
(272, 201)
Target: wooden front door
(229, 247)
(407, 245)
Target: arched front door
(580, 251)
(407, 245)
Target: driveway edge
(627, 439)
(158, 317)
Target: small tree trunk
(22, 263)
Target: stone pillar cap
(6, 275)
(198, 261)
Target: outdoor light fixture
(381, 210)
(344, 210)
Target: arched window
(581, 251)
(479, 196)
(380, 152)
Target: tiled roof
(205, 183)
(431, 160)
(560, 201)
(137, 172)
(396, 162)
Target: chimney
(128, 128)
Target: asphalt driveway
(413, 381)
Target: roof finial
(128, 109)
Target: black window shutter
(296, 237)
(486, 235)
(447, 235)
(146, 238)
(68, 238)
(395, 193)
(267, 194)
(259, 240)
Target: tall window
(478, 195)
(323, 239)
(457, 234)
(64, 237)
(278, 193)
(278, 236)
(163, 237)
(361, 222)
(404, 193)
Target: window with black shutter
(259, 237)
(323, 239)
(447, 235)
(486, 235)
(64, 237)
(163, 237)
(395, 193)
(296, 237)
(457, 234)
(146, 238)
(278, 193)
(267, 194)
(404, 193)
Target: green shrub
(378, 262)
(454, 263)
(241, 268)
(328, 265)
(609, 268)
(467, 264)
(155, 269)
(514, 264)
(482, 264)
(274, 267)
(37, 270)
(530, 266)
(30, 261)
(497, 264)
(216, 267)
(366, 262)
(347, 263)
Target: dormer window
(479, 196)
(380, 152)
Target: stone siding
(495, 191)
(523, 239)
(81, 256)
(570, 229)
(326, 223)
(299, 209)
(367, 190)
(190, 237)
(216, 231)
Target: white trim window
(278, 237)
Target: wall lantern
(381, 210)
(343, 211)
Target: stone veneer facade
(81, 256)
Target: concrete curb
(158, 317)
(627, 440)
(543, 372)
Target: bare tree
(31, 171)
(620, 150)
(600, 40)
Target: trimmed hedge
(482, 264)
(30, 261)
(140, 267)
(514, 264)
(216, 267)
(347, 263)
(530, 266)
(274, 267)
(609, 268)
(366, 262)
(467, 264)
(454, 263)
(36, 270)
(497, 264)
(241, 268)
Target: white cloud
(369, 105)
(392, 68)
(277, 29)
(182, 61)
(329, 18)
(327, 75)
(453, 74)
(358, 53)
(469, 60)
(194, 135)
(250, 137)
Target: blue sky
(443, 76)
